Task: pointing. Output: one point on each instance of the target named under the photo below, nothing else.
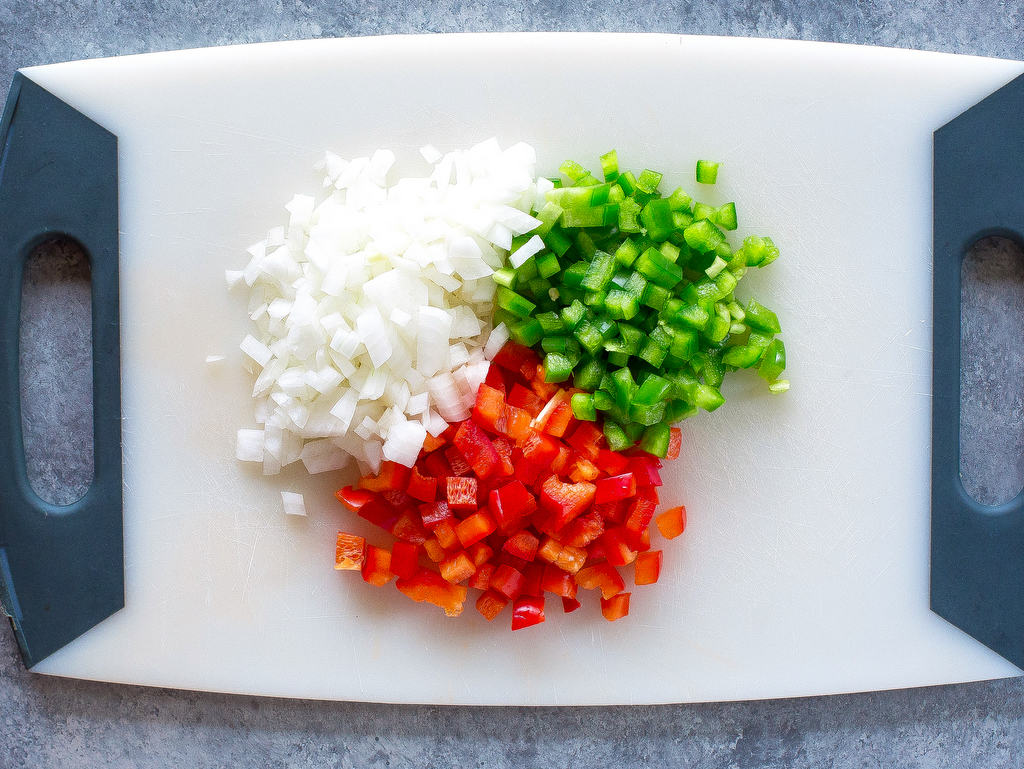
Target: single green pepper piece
(743, 356)
(610, 165)
(760, 252)
(679, 200)
(616, 437)
(703, 211)
(773, 362)
(654, 296)
(551, 322)
(526, 332)
(627, 181)
(684, 343)
(506, 277)
(779, 386)
(589, 336)
(549, 215)
(603, 400)
(514, 303)
(704, 236)
(627, 253)
(707, 172)
(573, 275)
(559, 344)
(583, 407)
(678, 410)
(621, 304)
(557, 241)
(653, 353)
(547, 265)
(725, 216)
(588, 375)
(599, 272)
(654, 389)
(573, 314)
(653, 265)
(656, 438)
(656, 217)
(761, 318)
(707, 397)
(557, 367)
(623, 387)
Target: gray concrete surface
(46, 722)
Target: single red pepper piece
(616, 548)
(354, 498)
(435, 552)
(615, 488)
(602, 576)
(489, 407)
(672, 522)
(491, 604)
(510, 504)
(392, 477)
(437, 466)
(637, 540)
(457, 568)
(409, 528)
(480, 553)
(349, 552)
(561, 462)
(559, 582)
(584, 529)
(675, 443)
(569, 605)
(477, 448)
(523, 545)
(587, 439)
(527, 472)
(641, 509)
(421, 487)
(474, 528)
(427, 586)
(544, 390)
(377, 566)
(433, 443)
(481, 579)
(524, 399)
(504, 448)
(397, 498)
(647, 568)
(435, 513)
(496, 379)
(517, 423)
(583, 470)
(405, 559)
(456, 461)
(566, 500)
(611, 462)
(533, 573)
(379, 513)
(527, 610)
(540, 449)
(645, 470)
(565, 557)
(612, 512)
(615, 607)
(461, 493)
(444, 532)
(517, 359)
(508, 581)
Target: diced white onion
(293, 503)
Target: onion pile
(371, 309)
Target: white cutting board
(804, 569)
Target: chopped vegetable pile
(519, 501)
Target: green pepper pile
(633, 298)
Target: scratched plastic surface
(804, 569)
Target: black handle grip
(61, 568)
(977, 565)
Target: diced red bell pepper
(527, 610)
(559, 582)
(524, 399)
(491, 604)
(422, 487)
(645, 470)
(523, 545)
(566, 500)
(583, 530)
(611, 462)
(569, 605)
(397, 498)
(587, 439)
(672, 522)
(379, 512)
(595, 553)
(437, 466)
(565, 557)
(405, 559)
(544, 390)
(612, 512)
(349, 552)
(510, 504)
(647, 568)
(444, 532)
(517, 359)
(615, 607)
(480, 553)
(583, 470)
(456, 461)
(481, 579)
(675, 443)
(392, 476)
(496, 378)
(615, 488)
(504, 448)
(540, 449)
(517, 423)
(435, 513)
(354, 498)
(638, 540)
(616, 547)
(508, 581)
(409, 528)
(601, 576)
(560, 420)
(641, 509)
(435, 552)
(433, 443)
(489, 407)
(527, 472)
(533, 573)
(377, 566)
(510, 560)
(561, 462)
(473, 443)
(427, 586)
(461, 493)
(457, 568)
(474, 528)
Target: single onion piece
(293, 503)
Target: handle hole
(55, 337)
(992, 371)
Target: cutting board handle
(61, 567)
(977, 551)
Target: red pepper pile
(518, 501)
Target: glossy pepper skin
(527, 611)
